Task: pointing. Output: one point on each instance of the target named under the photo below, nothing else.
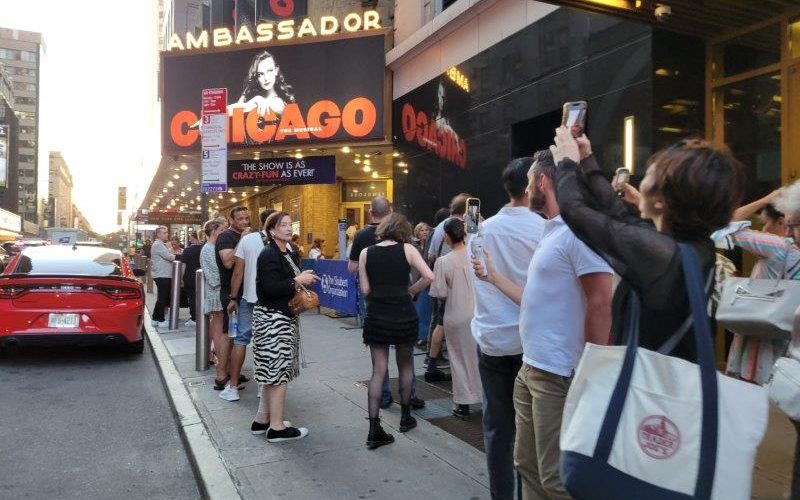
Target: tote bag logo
(659, 437)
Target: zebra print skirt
(276, 347)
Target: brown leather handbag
(303, 300)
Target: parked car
(71, 294)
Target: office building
(21, 53)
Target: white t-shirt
(315, 253)
(511, 237)
(553, 309)
(248, 249)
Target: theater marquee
(312, 92)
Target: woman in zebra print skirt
(276, 340)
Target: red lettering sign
(434, 135)
(323, 120)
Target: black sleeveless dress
(390, 317)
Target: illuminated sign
(266, 32)
(431, 118)
(324, 91)
(458, 78)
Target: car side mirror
(139, 272)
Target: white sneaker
(230, 393)
(163, 324)
(154, 323)
(190, 323)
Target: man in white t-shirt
(244, 278)
(565, 303)
(510, 237)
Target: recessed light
(367, 168)
(395, 154)
(298, 155)
(357, 160)
(346, 149)
(375, 175)
(184, 167)
(176, 176)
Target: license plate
(62, 320)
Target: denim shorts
(244, 327)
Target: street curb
(213, 477)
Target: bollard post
(175, 296)
(202, 344)
(148, 276)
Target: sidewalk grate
(470, 430)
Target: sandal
(220, 384)
(243, 379)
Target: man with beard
(565, 303)
(511, 237)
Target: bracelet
(232, 297)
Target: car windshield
(69, 261)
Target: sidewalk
(441, 457)
(330, 398)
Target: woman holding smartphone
(453, 281)
(276, 335)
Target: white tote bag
(639, 424)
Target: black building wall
(513, 104)
(9, 195)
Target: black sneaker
(461, 411)
(257, 428)
(386, 404)
(417, 403)
(437, 375)
(286, 434)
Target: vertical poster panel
(213, 144)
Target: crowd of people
(515, 318)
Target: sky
(97, 102)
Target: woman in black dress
(390, 316)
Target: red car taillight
(11, 291)
(121, 293)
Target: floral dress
(208, 262)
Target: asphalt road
(81, 423)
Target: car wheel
(134, 347)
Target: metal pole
(149, 276)
(175, 299)
(202, 345)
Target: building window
(28, 56)
(24, 86)
(30, 101)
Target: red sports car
(71, 294)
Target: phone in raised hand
(574, 117)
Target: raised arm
(747, 211)
(639, 253)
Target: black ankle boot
(377, 436)
(407, 422)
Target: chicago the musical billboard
(279, 95)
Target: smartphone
(473, 215)
(574, 117)
(623, 177)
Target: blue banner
(336, 287)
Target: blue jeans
(244, 326)
(497, 375)
(423, 307)
(386, 396)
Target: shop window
(752, 119)
(750, 51)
